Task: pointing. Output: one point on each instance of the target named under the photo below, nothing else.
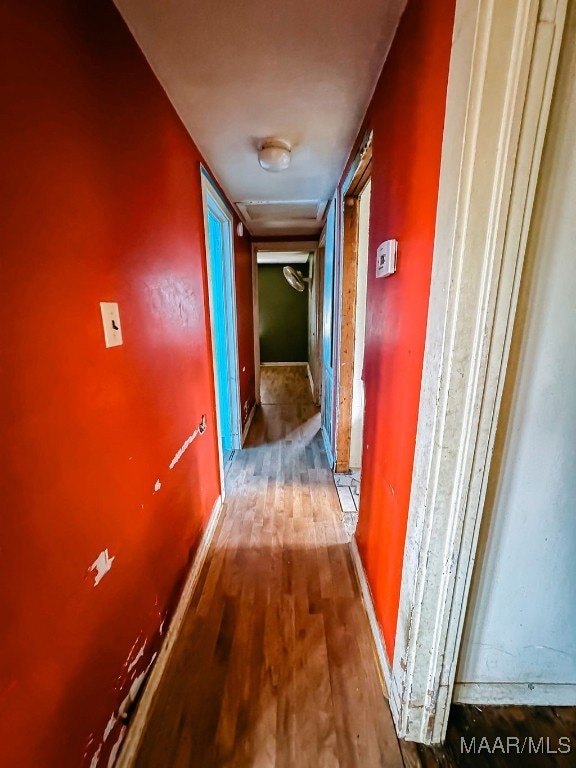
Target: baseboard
(248, 423)
(284, 365)
(311, 381)
(141, 715)
(328, 448)
(383, 663)
(532, 694)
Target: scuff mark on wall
(157, 486)
(101, 565)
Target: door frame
(213, 201)
(502, 71)
(353, 186)
(328, 243)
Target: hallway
(275, 664)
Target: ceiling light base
(274, 155)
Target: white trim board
(525, 694)
(137, 725)
(310, 379)
(379, 647)
(248, 423)
(502, 71)
(284, 365)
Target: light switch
(386, 257)
(111, 323)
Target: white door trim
(211, 198)
(502, 71)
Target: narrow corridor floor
(275, 666)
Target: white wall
(519, 641)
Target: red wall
(407, 116)
(101, 202)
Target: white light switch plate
(111, 323)
(386, 256)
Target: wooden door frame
(353, 186)
(502, 71)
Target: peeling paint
(96, 757)
(101, 565)
(181, 451)
(110, 727)
(134, 689)
(116, 748)
(157, 486)
(137, 657)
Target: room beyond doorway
(285, 311)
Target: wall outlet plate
(111, 323)
(386, 258)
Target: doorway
(357, 419)
(218, 224)
(285, 314)
(353, 276)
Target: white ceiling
(239, 71)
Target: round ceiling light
(274, 155)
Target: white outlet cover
(111, 323)
(386, 256)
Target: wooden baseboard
(141, 715)
(311, 380)
(383, 663)
(524, 694)
(283, 365)
(248, 423)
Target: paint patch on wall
(200, 429)
(101, 565)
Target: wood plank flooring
(484, 737)
(275, 665)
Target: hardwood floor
(485, 737)
(275, 665)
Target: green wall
(283, 316)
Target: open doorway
(222, 297)
(357, 418)
(352, 319)
(285, 337)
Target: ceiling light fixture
(274, 155)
